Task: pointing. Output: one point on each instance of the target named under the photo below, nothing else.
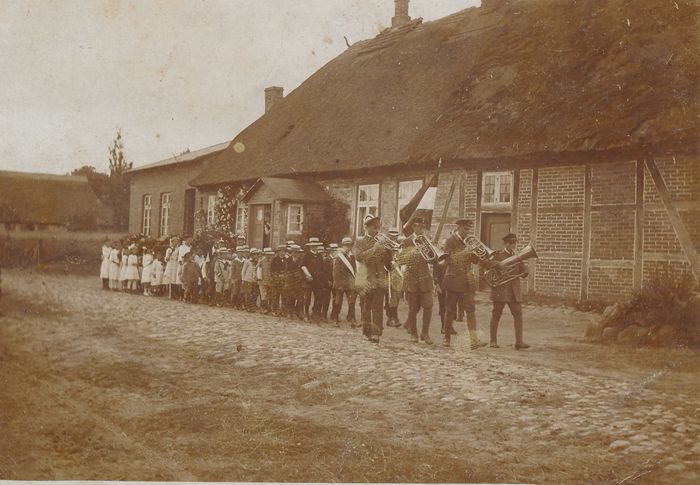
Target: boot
(475, 342)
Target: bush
(667, 308)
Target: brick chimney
(401, 16)
(273, 95)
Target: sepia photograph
(350, 241)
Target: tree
(99, 182)
(118, 193)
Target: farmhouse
(162, 202)
(573, 124)
(45, 202)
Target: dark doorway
(188, 228)
(259, 225)
(493, 227)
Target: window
(211, 209)
(295, 219)
(407, 190)
(241, 218)
(497, 188)
(367, 203)
(147, 205)
(165, 214)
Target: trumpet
(480, 250)
(385, 241)
(429, 252)
(497, 277)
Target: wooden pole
(638, 227)
(675, 218)
(438, 232)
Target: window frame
(301, 219)
(147, 214)
(164, 225)
(497, 189)
(359, 224)
(211, 209)
(241, 226)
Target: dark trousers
(308, 292)
(453, 301)
(322, 298)
(372, 312)
(516, 309)
(441, 309)
(105, 283)
(273, 297)
(416, 301)
(338, 303)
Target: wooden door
(188, 226)
(493, 227)
(259, 225)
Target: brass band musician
(508, 294)
(458, 283)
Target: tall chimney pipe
(273, 95)
(401, 16)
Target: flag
(421, 204)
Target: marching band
(308, 282)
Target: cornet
(385, 241)
(479, 249)
(429, 252)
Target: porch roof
(289, 189)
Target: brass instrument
(429, 252)
(497, 277)
(479, 249)
(385, 241)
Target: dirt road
(98, 385)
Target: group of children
(284, 281)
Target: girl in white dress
(147, 271)
(132, 270)
(171, 267)
(157, 274)
(104, 267)
(123, 260)
(114, 267)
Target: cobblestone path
(496, 405)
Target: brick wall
(173, 179)
(662, 250)
(613, 209)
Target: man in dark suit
(508, 294)
(458, 284)
(371, 278)
(417, 283)
(344, 270)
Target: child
(171, 267)
(265, 280)
(236, 268)
(249, 279)
(190, 278)
(124, 258)
(157, 274)
(147, 272)
(132, 270)
(114, 267)
(104, 267)
(222, 275)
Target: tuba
(497, 277)
(429, 252)
(385, 241)
(479, 249)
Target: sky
(171, 74)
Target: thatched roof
(48, 199)
(513, 80)
(187, 157)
